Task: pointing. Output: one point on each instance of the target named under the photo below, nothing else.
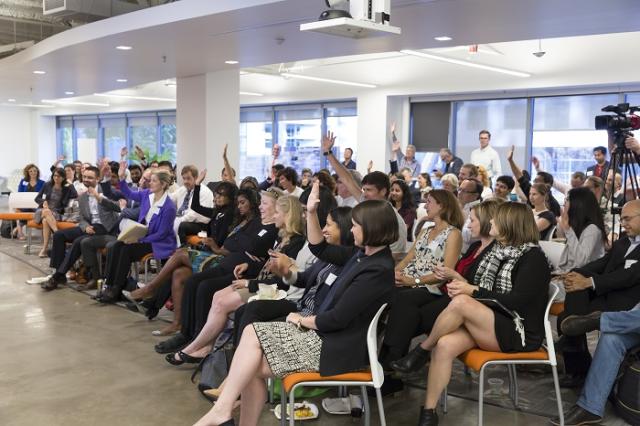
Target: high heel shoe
(413, 361)
(183, 358)
(229, 422)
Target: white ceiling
(192, 37)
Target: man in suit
(620, 331)
(609, 284)
(601, 168)
(187, 221)
(98, 217)
(452, 164)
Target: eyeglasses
(627, 219)
(467, 192)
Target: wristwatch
(326, 153)
(417, 281)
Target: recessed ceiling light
(11, 100)
(231, 62)
(465, 63)
(143, 98)
(69, 93)
(123, 47)
(122, 80)
(443, 38)
(39, 72)
(251, 94)
(328, 80)
(65, 102)
(29, 105)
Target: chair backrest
(553, 250)
(550, 232)
(22, 200)
(553, 292)
(372, 347)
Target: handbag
(214, 367)
(627, 390)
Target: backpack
(5, 229)
(627, 393)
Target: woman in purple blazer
(157, 212)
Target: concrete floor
(66, 360)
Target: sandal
(182, 358)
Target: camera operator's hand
(632, 144)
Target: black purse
(496, 305)
(214, 368)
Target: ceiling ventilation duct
(87, 10)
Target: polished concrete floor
(66, 360)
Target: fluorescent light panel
(28, 105)
(142, 98)
(465, 63)
(328, 80)
(38, 72)
(443, 38)
(251, 94)
(231, 62)
(65, 102)
(122, 80)
(123, 47)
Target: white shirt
(206, 200)
(297, 192)
(487, 158)
(346, 202)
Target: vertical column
(208, 117)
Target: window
(564, 134)
(298, 130)
(506, 119)
(88, 138)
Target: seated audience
(52, 200)
(424, 186)
(611, 283)
(288, 219)
(452, 164)
(450, 183)
(375, 186)
(405, 160)
(516, 274)
(188, 221)
(345, 198)
(135, 171)
(469, 195)
(249, 243)
(157, 212)
(545, 220)
(73, 179)
(288, 179)
(619, 332)
(30, 182)
(402, 201)
(333, 339)
(98, 219)
(249, 183)
(306, 178)
(503, 187)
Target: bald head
(629, 218)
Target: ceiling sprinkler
(540, 53)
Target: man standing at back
(601, 168)
(486, 156)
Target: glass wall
(564, 134)
(298, 130)
(89, 138)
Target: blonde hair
(452, 179)
(515, 224)
(483, 176)
(164, 176)
(294, 223)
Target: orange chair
(32, 225)
(194, 240)
(374, 378)
(478, 360)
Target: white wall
(15, 139)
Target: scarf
(495, 268)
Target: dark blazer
(108, 210)
(605, 170)
(351, 165)
(454, 166)
(360, 290)
(221, 217)
(160, 235)
(68, 193)
(619, 286)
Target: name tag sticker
(330, 279)
(590, 173)
(261, 233)
(629, 263)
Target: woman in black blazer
(332, 341)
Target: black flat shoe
(52, 284)
(229, 422)
(174, 344)
(428, 417)
(413, 361)
(577, 416)
(183, 358)
(390, 386)
(109, 296)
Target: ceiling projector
(364, 18)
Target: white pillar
(208, 117)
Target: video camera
(620, 124)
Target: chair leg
(480, 395)
(383, 421)
(443, 400)
(556, 384)
(515, 384)
(270, 389)
(28, 251)
(283, 407)
(365, 405)
(292, 405)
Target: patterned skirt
(287, 349)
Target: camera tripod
(623, 161)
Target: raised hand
(510, 153)
(314, 198)
(370, 166)
(392, 128)
(395, 145)
(139, 152)
(536, 163)
(123, 153)
(201, 176)
(328, 141)
(224, 151)
(122, 171)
